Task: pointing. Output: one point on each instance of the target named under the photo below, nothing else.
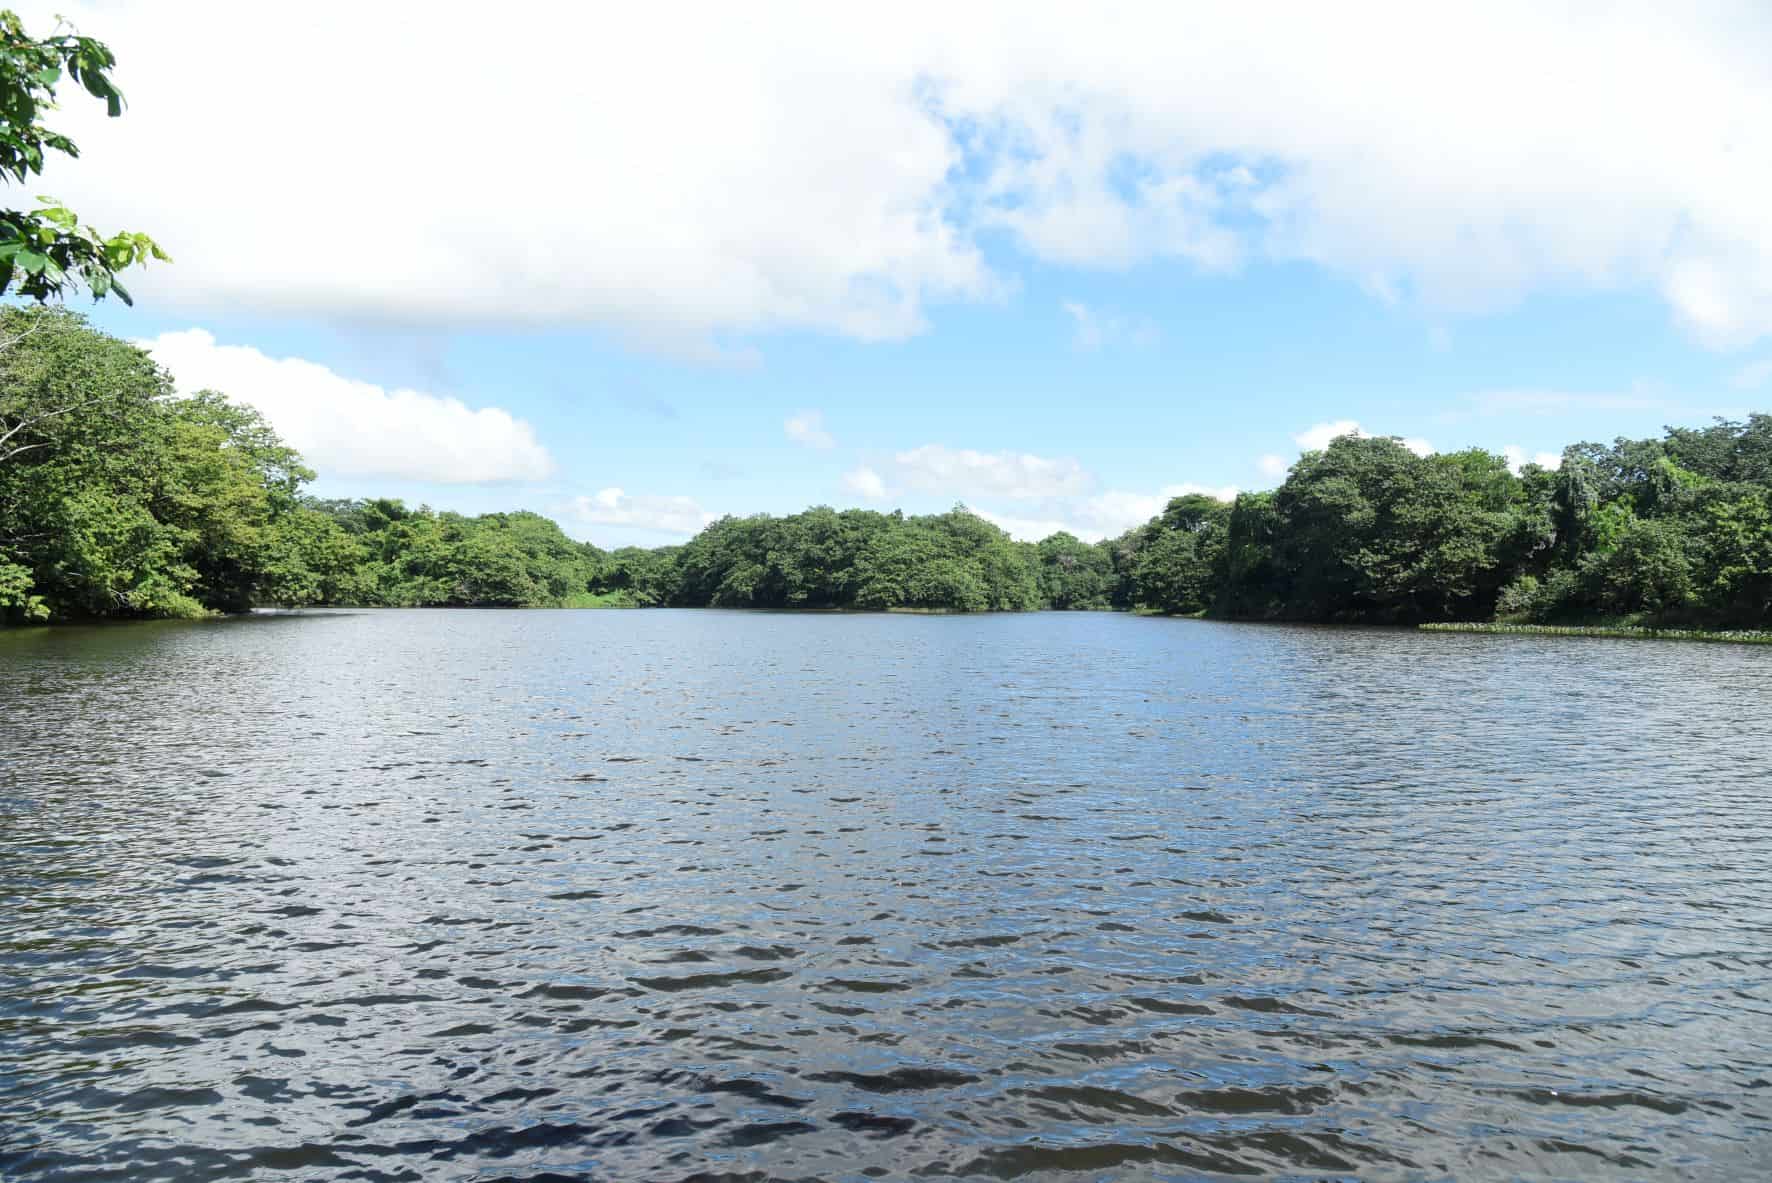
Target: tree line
(119, 498)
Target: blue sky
(1057, 280)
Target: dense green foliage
(45, 251)
(119, 499)
(855, 559)
(399, 557)
(1676, 530)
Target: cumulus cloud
(1273, 465)
(865, 482)
(1026, 529)
(1111, 513)
(345, 427)
(598, 190)
(615, 507)
(807, 427)
(609, 193)
(1060, 491)
(1517, 458)
(1102, 515)
(934, 468)
(1318, 436)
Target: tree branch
(36, 323)
(33, 420)
(21, 448)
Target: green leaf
(60, 215)
(99, 87)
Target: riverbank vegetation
(119, 499)
(1731, 636)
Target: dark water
(537, 895)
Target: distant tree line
(120, 499)
(1669, 531)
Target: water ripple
(721, 896)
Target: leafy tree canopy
(46, 250)
(118, 498)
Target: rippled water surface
(673, 895)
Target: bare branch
(36, 323)
(33, 420)
(21, 448)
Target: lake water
(707, 895)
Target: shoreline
(1483, 628)
(1605, 631)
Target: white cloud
(1103, 515)
(604, 190)
(865, 482)
(1115, 512)
(1186, 488)
(344, 427)
(934, 468)
(1752, 376)
(807, 427)
(1095, 329)
(1273, 465)
(616, 508)
(1517, 458)
(1029, 529)
(675, 176)
(1318, 436)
